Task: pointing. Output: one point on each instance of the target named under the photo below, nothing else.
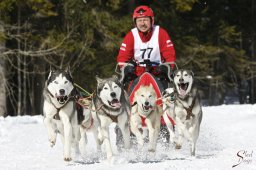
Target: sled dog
(145, 114)
(59, 108)
(187, 110)
(168, 100)
(88, 124)
(110, 104)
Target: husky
(168, 101)
(145, 113)
(110, 104)
(59, 108)
(88, 124)
(187, 110)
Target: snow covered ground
(227, 138)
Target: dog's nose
(62, 91)
(113, 94)
(146, 103)
(181, 79)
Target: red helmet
(143, 11)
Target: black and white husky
(60, 113)
(182, 103)
(110, 104)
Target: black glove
(162, 69)
(129, 70)
(129, 73)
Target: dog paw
(140, 147)
(151, 150)
(193, 153)
(140, 142)
(52, 143)
(67, 159)
(127, 146)
(100, 141)
(178, 146)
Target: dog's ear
(135, 96)
(50, 74)
(175, 72)
(164, 93)
(191, 72)
(151, 86)
(115, 77)
(67, 70)
(99, 80)
(52, 69)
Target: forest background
(215, 39)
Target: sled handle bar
(124, 64)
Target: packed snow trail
(226, 132)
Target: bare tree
(2, 78)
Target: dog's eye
(56, 82)
(115, 87)
(150, 96)
(65, 82)
(142, 95)
(105, 88)
(164, 93)
(185, 74)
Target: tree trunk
(253, 55)
(2, 78)
(19, 104)
(36, 91)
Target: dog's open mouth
(147, 107)
(183, 88)
(114, 103)
(62, 99)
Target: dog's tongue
(148, 107)
(182, 92)
(116, 103)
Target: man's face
(143, 24)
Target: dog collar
(143, 121)
(48, 91)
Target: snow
(226, 131)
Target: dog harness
(143, 121)
(89, 126)
(189, 109)
(171, 120)
(112, 117)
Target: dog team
(138, 113)
(146, 98)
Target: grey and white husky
(59, 108)
(184, 108)
(110, 104)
